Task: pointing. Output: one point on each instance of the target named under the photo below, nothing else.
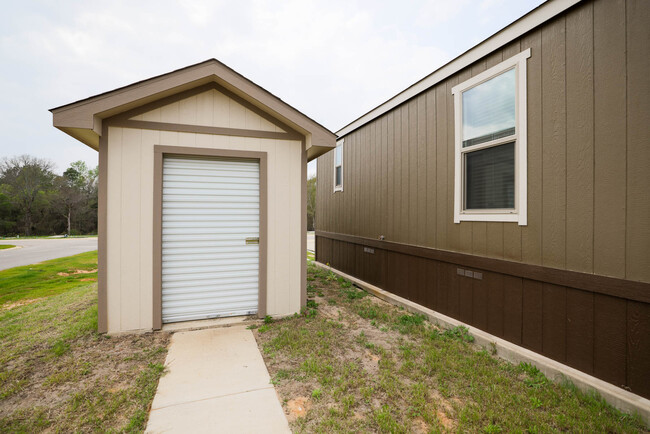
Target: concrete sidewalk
(216, 381)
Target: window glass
(338, 157)
(489, 110)
(490, 178)
(339, 175)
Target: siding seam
(627, 216)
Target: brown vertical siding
(588, 111)
(429, 238)
(453, 230)
(553, 144)
(406, 152)
(638, 347)
(532, 308)
(531, 234)
(610, 138)
(513, 308)
(610, 318)
(413, 175)
(586, 129)
(580, 140)
(389, 231)
(554, 321)
(442, 178)
(638, 137)
(421, 125)
(580, 330)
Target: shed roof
(528, 22)
(83, 119)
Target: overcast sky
(332, 60)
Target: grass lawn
(352, 362)
(49, 278)
(6, 246)
(56, 372)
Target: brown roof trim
(80, 101)
(83, 119)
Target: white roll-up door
(210, 234)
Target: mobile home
(509, 189)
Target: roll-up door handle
(253, 240)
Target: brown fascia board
(87, 114)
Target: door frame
(160, 151)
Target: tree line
(36, 201)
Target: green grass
(6, 246)
(367, 366)
(56, 372)
(43, 279)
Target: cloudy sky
(333, 60)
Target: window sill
(504, 218)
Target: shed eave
(88, 114)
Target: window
(338, 166)
(490, 159)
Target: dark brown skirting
(629, 289)
(597, 324)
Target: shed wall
(130, 215)
(588, 108)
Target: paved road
(39, 250)
(311, 241)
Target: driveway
(38, 250)
(311, 241)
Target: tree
(70, 197)
(311, 203)
(77, 192)
(27, 185)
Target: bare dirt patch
(297, 407)
(64, 274)
(9, 306)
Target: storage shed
(509, 189)
(202, 197)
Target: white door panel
(209, 208)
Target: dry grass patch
(353, 363)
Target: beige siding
(130, 213)
(212, 109)
(588, 157)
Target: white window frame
(519, 213)
(339, 144)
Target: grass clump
(460, 333)
(6, 246)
